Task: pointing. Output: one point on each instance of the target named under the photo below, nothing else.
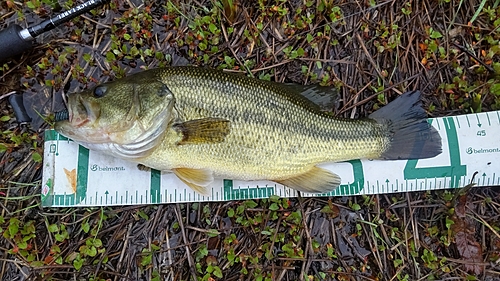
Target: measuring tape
(75, 176)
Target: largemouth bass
(202, 123)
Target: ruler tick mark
(457, 121)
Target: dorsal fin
(319, 97)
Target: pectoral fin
(196, 179)
(316, 180)
(206, 130)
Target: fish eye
(100, 91)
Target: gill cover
(144, 134)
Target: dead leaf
(71, 176)
(331, 210)
(464, 230)
(460, 206)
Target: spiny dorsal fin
(316, 180)
(206, 130)
(196, 179)
(319, 97)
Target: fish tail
(411, 136)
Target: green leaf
(87, 57)
(55, 248)
(22, 244)
(266, 232)
(91, 251)
(148, 52)
(250, 204)
(13, 229)
(155, 276)
(5, 118)
(356, 207)
(213, 233)
(28, 237)
(449, 222)
(212, 28)
(147, 259)
(37, 157)
(78, 263)
(300, 52)
(143, 215)
(97, 242)
(86, 227)
(110, 57)
(203, 46)
(37, 263)
(309, 38)
(265, 76)
(435, 34)
(470, 278)
(495, 89)
(202, 252)
(53, 228)
(231, 256)
(330, 251)
(230, 212)
(217, 272)
(60, 237)
(274, 207)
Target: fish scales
(208, 123)
(272, 135)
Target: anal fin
(196, 179)
(316, 180)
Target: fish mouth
(77, 120)
(78, 112)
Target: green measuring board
(75, 176)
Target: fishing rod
(15, 40)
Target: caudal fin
(412, 137)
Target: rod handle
(11, 42)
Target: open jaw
(76, 121)
(78, 112)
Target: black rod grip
(11, 42)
